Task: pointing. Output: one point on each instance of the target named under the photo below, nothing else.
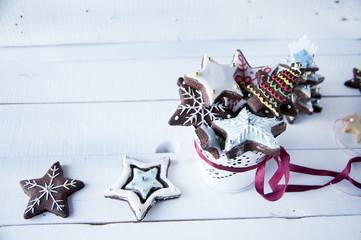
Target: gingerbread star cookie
(248, 132)
(353, 125)
(142, 184)
(245, 74)
(304, 106)
(209, 141)
(215, 81)
(193, 112)
(50, 192)
(311, 78)
(355, 82)
(303, 91)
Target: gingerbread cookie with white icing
(304, 106)
(142, 184)
(215, 81)
(209, 141)
(193, 111)
(303, 91)
(50, 193)
(249, 132)
(317, 107)
(315, 92)
(312, 78)
(246, 74)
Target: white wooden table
(84, 82)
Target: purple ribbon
(284, 169)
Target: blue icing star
(302, 57)
(144, 181)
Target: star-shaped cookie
(304, 106)
(245, 74)
(353, 125)
(248, 132)
(303, 91)
(50, 192)
(311, 78)
(355, 82)
(208, 140)
(142, 184)
(215, 81)
(193, 112)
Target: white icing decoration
(305, 89)
(140, 209)
(305, 104)
(47, 190)
(302, 44)
(247, 126)
(216, 78)
(143, 182)
(213, 139)
(234, 104)
(199, 111)
(245, 71)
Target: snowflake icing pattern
(49, 190)
(193, 111)
(198, 110)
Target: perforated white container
(218, 173)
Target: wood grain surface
(85, 82)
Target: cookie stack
(355, 82)
(306, 96)
(236, 111)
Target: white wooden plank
(129, 80)
(26, 22)
(169, 49)
(309, 228)
(198, 200)
(137, 127)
